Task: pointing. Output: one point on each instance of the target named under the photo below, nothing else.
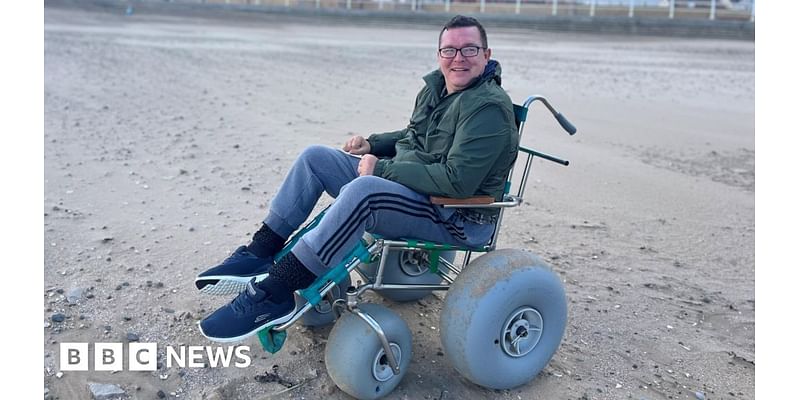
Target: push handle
(562, 120)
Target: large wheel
(503, 319)
(323, 313)
(355, 358)
(407, 267)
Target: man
(461, 142)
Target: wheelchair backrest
(520, 116)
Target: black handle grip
(566, 124)
(551, 158)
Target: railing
(741, 10)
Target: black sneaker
(232, 275)
(251, 311)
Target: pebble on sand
(74, 295)
(106, 391)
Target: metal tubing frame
(379, 245)
(381, 336)
(388, 245)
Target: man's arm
(383, 144)
(478, 143)
(379, 144)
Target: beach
(166, 135)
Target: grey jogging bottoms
(366, 203)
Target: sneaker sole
(274, 322)
(222, 285)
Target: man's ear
(488, 53)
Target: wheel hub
(381, 369)
(414, 263)
(522, 331)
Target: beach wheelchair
(502, 320)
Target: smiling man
(463, 55)
(461, 142)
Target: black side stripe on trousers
(383, 201)
(361, 216)
(407, 206)
(423, 209)
(338, 238)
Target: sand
(166, 135)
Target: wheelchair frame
(272, 337)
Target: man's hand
(367, 164)
(357, 145)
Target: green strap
(335, 274)
(429, 246)
(271, 341)
(434, 261)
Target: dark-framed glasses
(450, 52)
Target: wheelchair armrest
(447, 201)
(477, 202)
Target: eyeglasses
(450, 52)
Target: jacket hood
(492, 71)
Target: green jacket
(459, 145)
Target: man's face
(460, 71)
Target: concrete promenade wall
(649, 26)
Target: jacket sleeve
(477, 144)
(383, 144)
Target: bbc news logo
(144, 356)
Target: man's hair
(460, 21)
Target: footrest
(271, 341)
(335, 274)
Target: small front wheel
(355, 358)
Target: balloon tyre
(355, 358)
(503, 319)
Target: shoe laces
(242, 303)
(236, 254)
